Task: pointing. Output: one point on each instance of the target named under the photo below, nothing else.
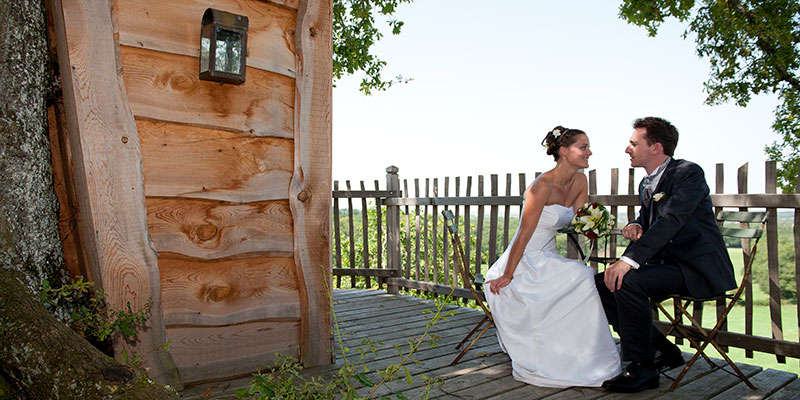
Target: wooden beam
(431, 287)
(174, 27)
(107, 161)
(719, 200)
(743, 341)
(382, 272)
(166, 87)
(224, 165)
(348, 194)
(310, 188)
(455, 201)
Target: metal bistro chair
(682, 303)
(474, 284)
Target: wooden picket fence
(404, 243)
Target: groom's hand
(632, 232)
(614, 274)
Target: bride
(546, 308)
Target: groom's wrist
(629, 261)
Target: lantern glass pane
(205, 48)
(229, 51)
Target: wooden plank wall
(218, 163)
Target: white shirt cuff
(632, 263)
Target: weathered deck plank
(788, 392)
(388, 320)
(766, 382)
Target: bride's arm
(535, 198)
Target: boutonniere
(658, 196)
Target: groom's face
(640, 151)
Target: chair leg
(708, 339)
(474, 329)
(684, 309)
(465, 349)
(676, 326)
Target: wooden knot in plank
(312, 32)
(218, 293)
(303, 196)
(124, 139)
(205, 232)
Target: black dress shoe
(634, 378)
(669, 358)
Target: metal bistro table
(572, 236)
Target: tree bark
(48, 360)
(29, 239)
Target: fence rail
(397, 238)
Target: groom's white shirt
(654, 179)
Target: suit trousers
(629, 310)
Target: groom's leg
(638, 336)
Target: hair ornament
(556, 133)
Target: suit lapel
(665, 177)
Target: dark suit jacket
(680, 229)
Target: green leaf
(409, 379)
(364, 379)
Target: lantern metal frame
(214, 23)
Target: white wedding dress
(549, 319)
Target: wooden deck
(485, 371)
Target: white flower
(556, 133)
(588, 222)
(658, 196)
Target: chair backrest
(473, 283)
(745, 219)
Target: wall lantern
(223, 47)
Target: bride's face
(577, 153)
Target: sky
(490, 79)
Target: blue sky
(490, 79)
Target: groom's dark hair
(659, 130)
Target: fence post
(393, 230)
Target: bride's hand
(496, 284)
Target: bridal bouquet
(593, 221)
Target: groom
(676, 248)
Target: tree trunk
(29, 240)
(48, 360)
(39, 355)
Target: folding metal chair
(474, 284)
(682, 303)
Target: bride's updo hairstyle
(560, 137)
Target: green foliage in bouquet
(593, 221)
